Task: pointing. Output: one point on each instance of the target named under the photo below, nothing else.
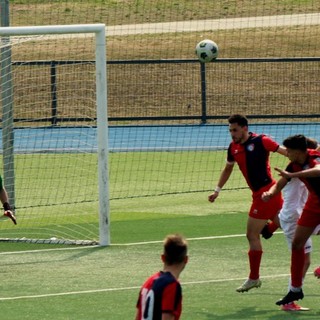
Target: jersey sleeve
(230, 157)
(269, 144)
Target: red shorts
(310, 216)
(265, 210)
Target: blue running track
(146, 138)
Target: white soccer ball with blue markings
(207, 50)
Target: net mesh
(55, 168)
(268, 69)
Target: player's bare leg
(254, 227)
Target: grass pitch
(103, 283)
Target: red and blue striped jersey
(161, 293)
(252, 158)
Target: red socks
(272, 227)
(254, 261)
(297, 263)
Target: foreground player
(251, 152)
(160, 297)
(5, 202)
(305, 165)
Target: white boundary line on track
(216, 24)
(130, 288)
(204, 25)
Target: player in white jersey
(295, 195)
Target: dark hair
(175, 249)
(296, 142)
(312, 143)
(240, 119)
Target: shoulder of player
(258, 137)
(313, 157)
(270, 144)
(164, 280)
(266, 137)
(313, 153)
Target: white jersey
(295, 195)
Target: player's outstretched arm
(307, 173)
(282, 150)
(6, 206)
(224, 177)
(276, 188)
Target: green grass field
(64, 204)
(103, 283)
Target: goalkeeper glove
(8, 213)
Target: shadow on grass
(265, 314)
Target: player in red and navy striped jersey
(160, 297)
(305, 165)
(251, 152)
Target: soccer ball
(207, 50)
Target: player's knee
(253, 237)
(307, 264)
(297, 244)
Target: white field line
(132, 287)
(59, 294)
(189, 239)
(125, 244)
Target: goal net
(54, 133)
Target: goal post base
(51, 241)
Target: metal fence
(173, 91)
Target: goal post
(101, 115)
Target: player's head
(296, 146)
(175, 250)
(312, 143)
(239, 119)
(238, 128)
(296, 142)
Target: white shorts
(289, 228)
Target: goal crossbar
(53, 29)
(101, 103)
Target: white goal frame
(99, 30)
